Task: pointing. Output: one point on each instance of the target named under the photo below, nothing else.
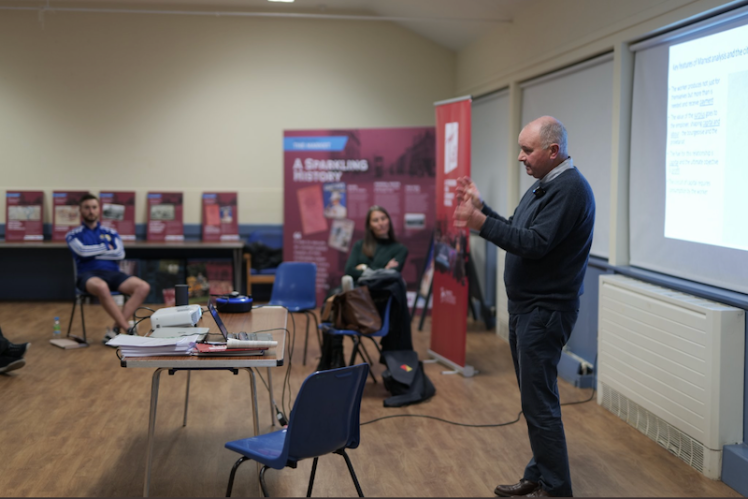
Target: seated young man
(97, 250)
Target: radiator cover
(671, 365)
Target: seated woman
(379, 248)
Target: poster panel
(220, 216)
(65, 212)
(450, 285)
(118, 212)
(24, 216)
(332, 177)
(165, 216)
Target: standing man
(548, 243)
(96, 251)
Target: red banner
(332, 177)
(220, 221)
(24, 216)
(165, 216)
(450, 285)
(118, 213)
(65, 212)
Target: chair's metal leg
(366, 358)
(311, 477)
(272, 400)
(306, 338)
(376, 345)
(365, 354)
(350, 469)
(316, 328)
(186, 398)
(233, 472)
(355, 351)
(83, 322)
(357, 344)
(72, 315)
(262, 482)
(151, 430)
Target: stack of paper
(140, 346)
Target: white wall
(139, 102)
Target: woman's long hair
(370, 241)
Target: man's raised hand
(466, 189)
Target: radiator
(671, 365)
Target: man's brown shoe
(522, 488)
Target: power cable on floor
(467, 425)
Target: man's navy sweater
(548, 242)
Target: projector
(184, 316)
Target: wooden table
(270, 319)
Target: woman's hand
(392, 264)
(361, 267)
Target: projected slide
(707, 133)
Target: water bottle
(56, 331)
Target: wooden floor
(74, 423)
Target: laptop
(222, 327)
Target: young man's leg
(100, 289)
(137, 289)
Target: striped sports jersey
(95, 249)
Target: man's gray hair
(553, 132)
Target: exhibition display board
(220, 216)
(65, 212)
(24, 215)
(165, 216)
(118, 212)
(332, 177)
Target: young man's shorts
(113, 278)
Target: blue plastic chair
(358, 347)
(324, 420)
(295, 290)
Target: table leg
(151, 430)
(186, 398)
(255, 414)
(270, 392)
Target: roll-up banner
(450, 282)
(332, 177)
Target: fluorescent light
(285, 1)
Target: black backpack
(405, 379)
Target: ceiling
(453, 24)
